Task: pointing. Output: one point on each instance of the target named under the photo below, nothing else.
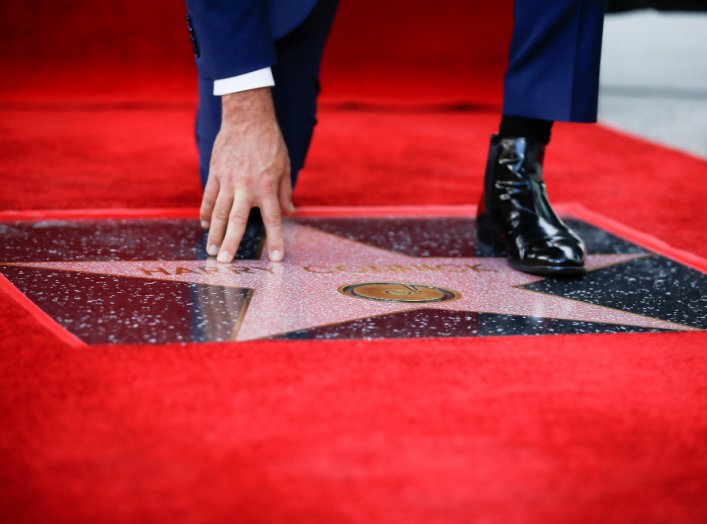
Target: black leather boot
(515, 216)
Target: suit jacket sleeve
(233, 37)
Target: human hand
(249, 168)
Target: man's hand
(249, 168)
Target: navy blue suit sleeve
(233, 36)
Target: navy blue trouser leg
(553, 71)
(295, 93)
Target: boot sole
(549, 271)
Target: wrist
(246, 106)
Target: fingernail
(212, 250)
(204, 224)
(276, 256)
(292, 208)
(224, 256)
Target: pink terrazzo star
(302, 292)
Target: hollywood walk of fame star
(303, 292)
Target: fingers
(285, 193)
(208, 201)
(272, 218)
(227, 228)
(219, 221)
(237, 221)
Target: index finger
(208, 201)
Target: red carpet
(608, 428)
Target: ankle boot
(515, 216)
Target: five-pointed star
(302, 292)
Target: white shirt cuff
(253, 80)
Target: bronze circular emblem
(399, 292)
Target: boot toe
(552, 257)
(556, 254)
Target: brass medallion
(399, 292)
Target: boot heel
(489, 236)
